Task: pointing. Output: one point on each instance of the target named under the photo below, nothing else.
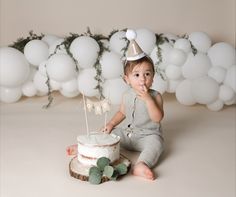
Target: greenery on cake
(105, 168)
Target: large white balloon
(146, 40)
(183, 44)
(230, 78)
(173, 72)
(216, 105)
(184, 93)
(70, 86)
(10, 95)
(36, 51)
(14, 68)
(226, 93)
(217, 73)
(50, 39)
(196, 66)
(111, 65)
(61, 67)
(205, 90)
(113, 89)
(222, 54)
(201, 41)
(117, 42)
(85, 50)
(177, 57)
(159, 84)
(87, 82)
(29, 89)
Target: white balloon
(172, 85)
(69, 94)
(57, 48)
(171, 37)
(117, 42)
(173, 72)
(226, 93)
(70, 86)
(85, 51)
(111, 65)
(217, 73)
(113, 90)
(42, 68)
(14, 68)
(222, 54)
(146, 40)
(159, 84)
(54, 85)
(201, 41)
(50, 39)
(196, 66)
(87, 82)
(10, 95)
(232, 101)
(205, 90)
(177, 57)
(216, 105)
(33, 70)
(230, 78)
(29, 89)
(40, 82)
(184, 93)
(61, 67)
(36, 51)
(183, 44)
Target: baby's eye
(147, 74)
(136, 75)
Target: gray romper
(139, 132)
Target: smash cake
(96, 145)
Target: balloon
(54, 85)
(177, 57)
(85, 51)
(217, 73)
(226, 93)
(42, 68)
(29, 89)
(222, 54)
(172, 85)
(14, 68)
(57, 48)
(205, 90)
(69, 94)
(184, 93)
(70, 86)
(159, 84)
(36, 51)
(111, 65)
(232, 101)
(113, 90)
(216, 105)
(117, 42)
(10, 95)
(183, 44)
(201, 41)
(173, 72)
(33, 70)
(61, 68)
(146, 40)
(230, 78)
(196, 66)
(87, 82)
(171, 37)
(40, 82)
(50, 39)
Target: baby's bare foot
(72, 150)
(141, 169)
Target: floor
(199, 159)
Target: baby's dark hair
(129, 65)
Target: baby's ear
(125, 78)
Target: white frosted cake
(92, 147)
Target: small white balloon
(117, 42)
(85, 50)
(173, 72)
(42, 68)
(40, 82)
(216, 105)
(159, 84)
(205, 90)
(226, 93)
(50, 39)
(183, 44)
(69, 94)
(172, 85)
(36, 51)
(113, 90)
(196, 66)
(70, 86)
(111, 65)
(57, 47)
(184, 93)
(201, 41)
(33, 70)
(232, 101)
(171, 37)
(222, 54)
(14, 68)
(217, 73)
(87, 82)
(61, 67)
(177, 57)
(54, 85)
(230, 78)
(29, 89)
(10, 95)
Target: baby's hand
(144, 94)
(108, 128)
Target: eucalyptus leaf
(121, 169)
(108, 171)
(95, 177)
(102, 162)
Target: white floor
(199, 160)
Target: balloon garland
(91, 64)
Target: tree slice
(81, 171)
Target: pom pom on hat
(134, 51)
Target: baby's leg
(142, 170)
(72, 150)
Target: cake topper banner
(99, 107)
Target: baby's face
(141, 75)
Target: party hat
(134, 51)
